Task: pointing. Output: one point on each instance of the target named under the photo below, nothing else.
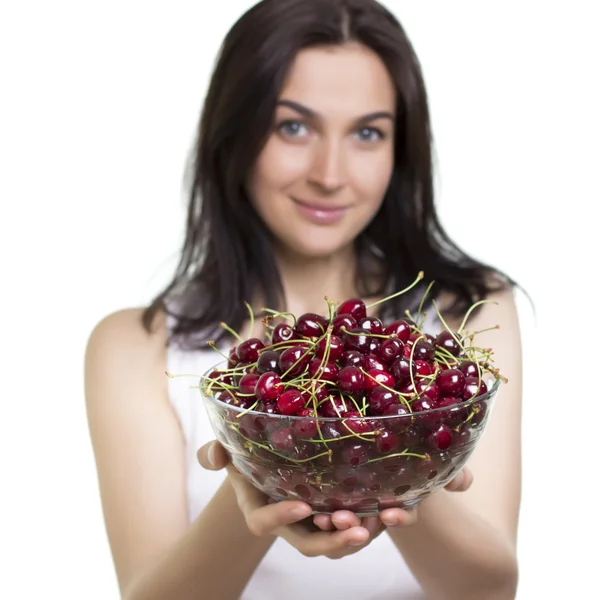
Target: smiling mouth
(319, 207)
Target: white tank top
(377, 572)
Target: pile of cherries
(346, 399)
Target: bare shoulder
(122, 332)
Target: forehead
(346, 80)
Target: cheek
(277, 169)
(371, 176)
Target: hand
(290, 519)
(398, 517)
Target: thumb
(212, 456)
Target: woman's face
(327, 163)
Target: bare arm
(139, 454)
(463, 545)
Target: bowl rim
(474, 400)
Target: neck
(306, 281)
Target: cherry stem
(395, 392)
(277, 314)
(403, 453)
(231, 331)
(214, 347)
(471, 309)
(420, 311)
(251, 312)
(412, 285)
(459, 342)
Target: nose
(327, 170)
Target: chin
(315, 249)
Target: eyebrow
(311, 114)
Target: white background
(98, 106)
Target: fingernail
(211, 455)
(301, 512)
(390, 522)
(356, 543)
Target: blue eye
(370, 134)
(292, 128)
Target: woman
(311, 176)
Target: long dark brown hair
(227, 255)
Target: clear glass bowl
(323, 462)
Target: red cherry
(334, 406)
(352, 358)
(294, 360)
(445, 340)
(351, 380)
(371, 362)
(469, 368)
(359, 339)
(474, 387)
(247, 384)
(311, 325)
(356, 423)
(248, 351)
(317, 369)
(451, 382)
(268, 387)
(343, 323)
(335, 345)
(399, 328)
(441, 438)
(305, 428)
(386, 441)
(283, 439)
(380, 399)
(268, 361)
(372, 324)
(390, 350)
(376, 377)
(354, 307)
(424, 368)
(282, 333)
(290, 402)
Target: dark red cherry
(248, 351)
(402, 367)
(445, 340)
(343, 323)
(305, 428)
(268, 361)
(474, 387)
(318, 369)
(351, 380)
(283, 439)
(390, 350)
(294, 360)
(424, 368)
(380, 399)
(456, 413)
(354, 307)
(423, 350)
(469, 368)
(233, 358)
(451, 382)
(290, 402)
(372, 362)
(431, 419)
(356, 423)
(248, 383)
(359, 339)
(334, 406)
(401, 329)
(352, 358)
(268, 387)
(311, 325)
(355, 454)
(334, 345)
(441, 438)
(386, 441)
(376, 377)
(372, 324)
(283, 332)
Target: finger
(325, 543)
(270, 517)
(372, 525)
(323, 522)
(398, 517)
(462, 482)
(212, 456)
(344, 519)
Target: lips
(320, 213)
